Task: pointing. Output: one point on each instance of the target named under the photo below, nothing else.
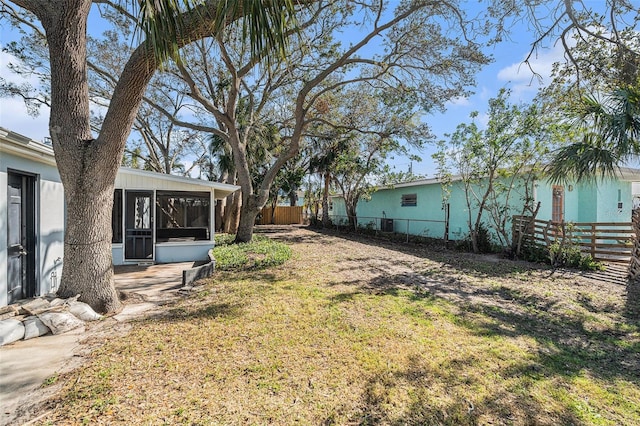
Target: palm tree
(611, 137)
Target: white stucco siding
(182, 252)
(117, 253)
(3, 236)
(51, 235)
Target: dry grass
(352, 333)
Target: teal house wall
(608, 200)
(426, 218)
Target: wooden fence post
(593, 240)
(634, 263)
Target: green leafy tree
(422, 66)
(594, 94)
(386, 125)
(493, 165)
(327, 145)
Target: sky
(507, 70)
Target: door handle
(17, 250)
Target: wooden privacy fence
(604, 241)
(283, 215)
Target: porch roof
(128, 178)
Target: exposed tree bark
(87, 167)
(232, 213)
(252, 206)
(293, 198)
(229, 210)
(325, 200)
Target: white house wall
(51, 234)
(19, 153)
(3, 238)
(182, 252)
(49, 221)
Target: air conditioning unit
(386, 225)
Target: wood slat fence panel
(284, 215)
(604, 241)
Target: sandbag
(34, 327)
(60, 322)
(11, 330)
(83, 311)
(36, 306)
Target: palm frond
(265, 24)
(582, 162)
(162, 23)
(611, 129)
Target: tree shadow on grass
(201, 311)
(287, 234)
(431, 395)
(468, 263)
(569, 341)
(443, 395)
(502, 407)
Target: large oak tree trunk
(251, 207)
(87, 166)
(232, 213)
(86, 171)
(252, 203)
(88, 267)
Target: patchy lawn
(349, 332)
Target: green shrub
(535, 253)
(569, 255)
(558, 254)
(260, 253)
(484, 241)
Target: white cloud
(482, 120)
(14, 117)
(485, 93)
(459, 101)
(525, 79)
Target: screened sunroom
(163, 218)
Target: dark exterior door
(21, 238)
(138, 225)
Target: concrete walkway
(25, 365)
